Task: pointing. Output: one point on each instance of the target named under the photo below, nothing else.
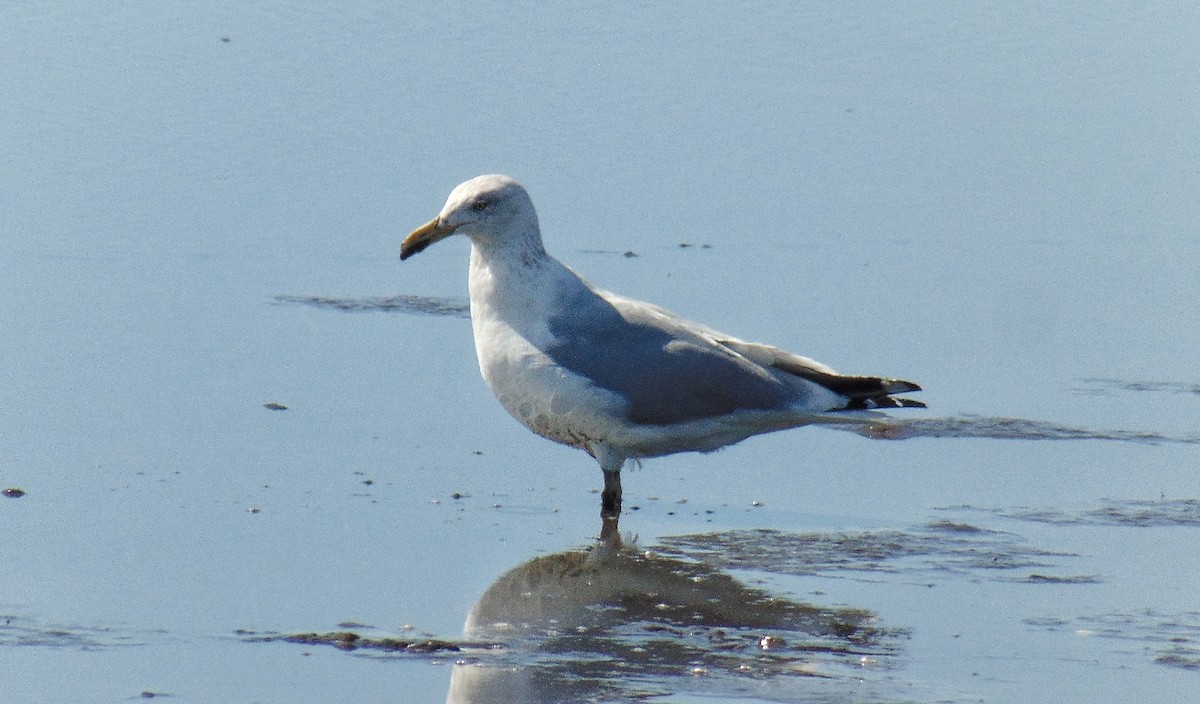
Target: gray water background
(996, 201)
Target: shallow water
(230, 416)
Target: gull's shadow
(617, 622)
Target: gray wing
(669, 370)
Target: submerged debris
(349, 640)
(1000, 428)
(1171, 639)
(1140, 513)
(21, 631)
(402, 303)
(1036, 578)
(1100, 387)
(940, 547)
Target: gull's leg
(610, 500)
(611, 462)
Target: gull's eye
(479, 205)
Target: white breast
(509, 320)
(546, 398)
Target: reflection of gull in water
(620, 378)
(611, 622)
(617, 624)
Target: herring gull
(616, 377)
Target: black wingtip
(899, 386)
(882, 398)
(877, 402)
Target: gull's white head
(485, 209)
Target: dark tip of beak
(422, 237)
(407, 250)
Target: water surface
(236, 417)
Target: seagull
(616, 377)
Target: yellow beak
(424, 236)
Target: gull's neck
(515, 253)
(513, 275)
